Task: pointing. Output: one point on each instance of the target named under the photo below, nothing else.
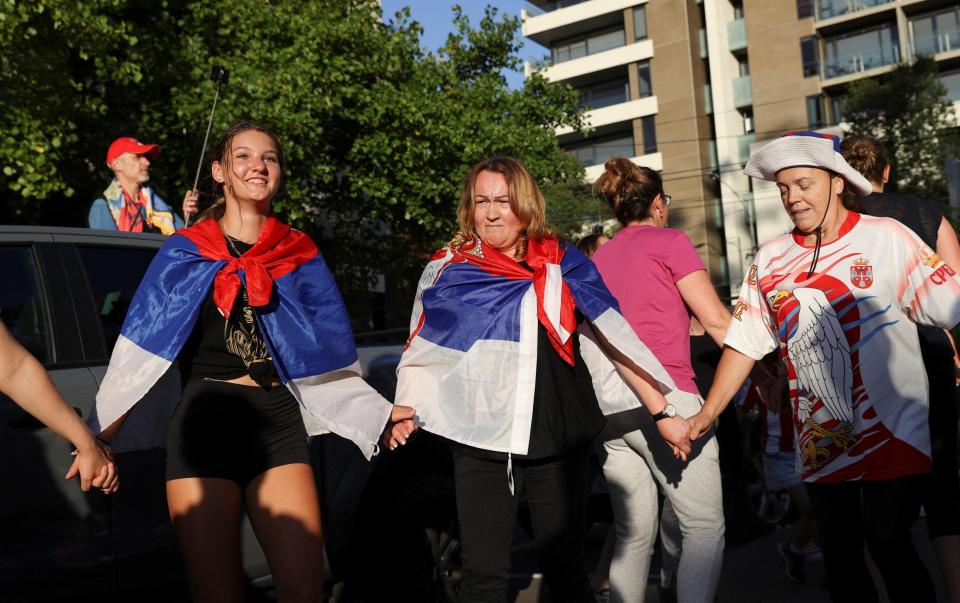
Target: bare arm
(25, 381)
(731, 372)
(948, 248)
(674, 430)
(698, 293)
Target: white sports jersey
(846, 335)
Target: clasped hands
(680, 432)
(401, 426)
(95, 465)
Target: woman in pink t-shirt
(659, 280)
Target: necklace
(229, 240)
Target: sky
(436, 18)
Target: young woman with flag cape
(496, 366)
(248, 308)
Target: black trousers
(556, 492)
(941, 496)
(878, 514)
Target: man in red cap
(128, 204)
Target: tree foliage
(378, 132)
(908, 110)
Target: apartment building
(640, 67)
(754, 69)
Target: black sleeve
(931, 214)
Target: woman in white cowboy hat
(838, 296)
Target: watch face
(670, 410)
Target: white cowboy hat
(805, 149)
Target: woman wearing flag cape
(247, 307)
(496, 366)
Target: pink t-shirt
(641, 266)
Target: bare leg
(284, 509)
(206, 515)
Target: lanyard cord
(816, 248)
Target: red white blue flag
(470, 363)
(297, 306)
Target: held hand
(676, 432)
(401, 426)
(190, 202)
(700, 424)
(95, 466)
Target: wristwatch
(667, 412)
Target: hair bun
(619, 166)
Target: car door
(54, 539)
(104, 273)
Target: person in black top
(941, 498)
(237, 441)
(551, 403)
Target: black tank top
(224, 349)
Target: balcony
(931, 44)
(743, 145)
(570, 18)
(549, 7)
(608, 59)
(627, 111)
(742, 92)
(828, 9)
(737, 35)
(848, 64)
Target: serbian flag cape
(470, 364)
(297, 306)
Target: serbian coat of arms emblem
(861, 273)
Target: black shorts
(234, 432)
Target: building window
(810, 56)
(951, 82)
(595, 151)
(860, 51)
(747, 115)
(604, 94)
(743, 66)
(815, 115)
(836, 109)
(649, 128)
(591, 43)
(643, 79)
(804, 9)
(640, 22)
(939, 32)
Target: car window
(114, 274)
(22, 304)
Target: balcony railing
(933, 43)
(827, 9)
(742, 92)
(737, 34)
(861, 61)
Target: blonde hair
(526, 201)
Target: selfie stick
(218, 75)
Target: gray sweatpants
(634, 465)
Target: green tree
(909, 111)
(572, 207)
(378, 132)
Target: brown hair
(221, 154)
(589, 244)
(866, 155)
(628, 188)
(526, 201)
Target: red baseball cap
(130, 145)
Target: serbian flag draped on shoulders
(297, 306)
(470, 363)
